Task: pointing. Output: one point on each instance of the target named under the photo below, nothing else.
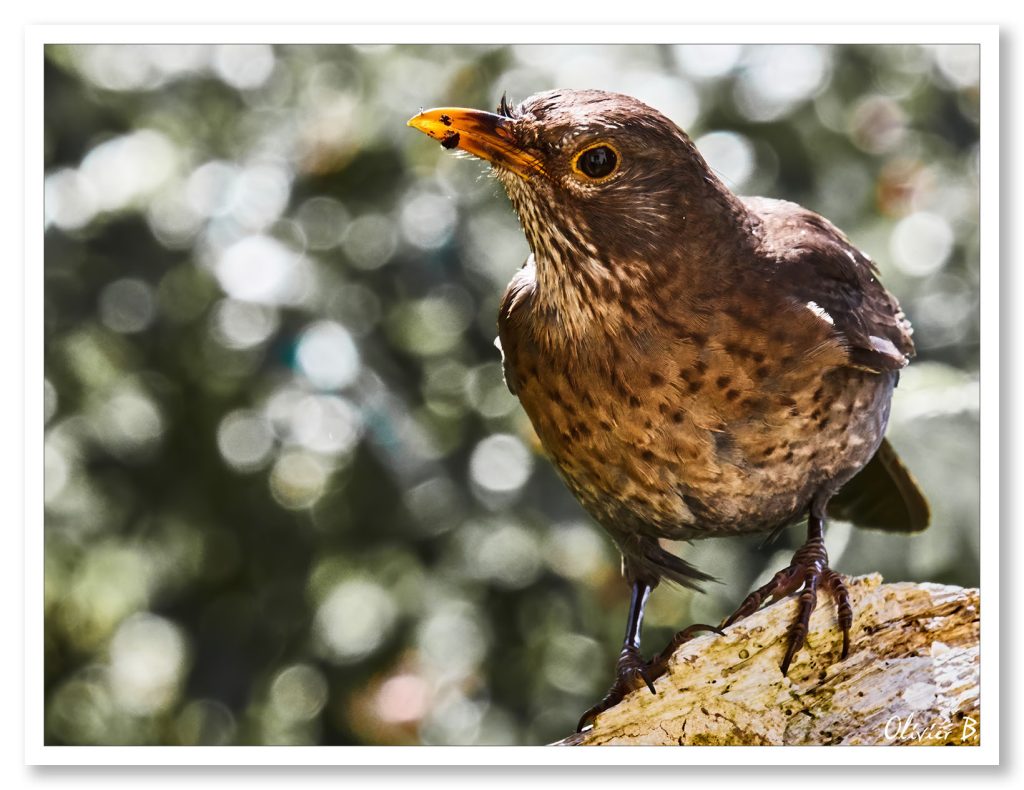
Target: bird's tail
(883, 495)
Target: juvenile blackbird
(696, 364)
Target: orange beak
(480, 133)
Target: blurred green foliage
(288, 498)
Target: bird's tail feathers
(883, 495)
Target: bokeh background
(288, 497)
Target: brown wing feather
(818, 264)
(510, 317)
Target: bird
(695, 364)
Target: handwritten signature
(898, 728)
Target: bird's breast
(697, 431)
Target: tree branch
(911, 678)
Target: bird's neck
(583, 294)
(574, 298)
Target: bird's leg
(807, 572)
(630, 669)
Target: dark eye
(597, 162)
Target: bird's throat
(572, 281)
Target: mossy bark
(912, 678)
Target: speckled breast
(685, 436)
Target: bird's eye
(597, 162)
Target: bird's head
(593, 175)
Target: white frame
(987, 36)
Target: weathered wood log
(912, 677)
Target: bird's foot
(631, 673)
(807, 572)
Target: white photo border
(37, 37)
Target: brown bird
(696, 364)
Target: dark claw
(590, 716)
(631, 673)
(794, 644)
(658, 662)
(686, 634)
(841, 596)
(615, 695)
(648, 681)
